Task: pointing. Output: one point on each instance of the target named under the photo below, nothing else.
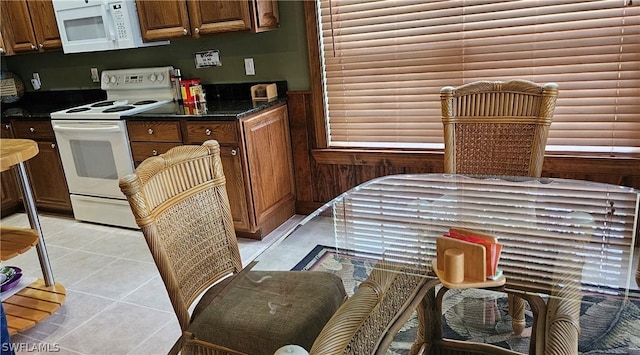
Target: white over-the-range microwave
(99, 25)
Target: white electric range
(94, 145)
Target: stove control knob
(160, 77)
(113, 79)
(152, 78)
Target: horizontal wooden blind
(386, 61)
(550, 230)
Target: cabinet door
(163, 19)
(216, 16)
(233, 173)
(270, 163)
(47, 179)
(16, 26)
(4, 50)
(196, 132)
(9, 191)
(265, 15)
(44, 23)
(45, 171)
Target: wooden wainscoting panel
(299, 115)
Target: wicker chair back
(180, 202)
(497, 128)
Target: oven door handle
(102, 129)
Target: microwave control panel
(120, 19)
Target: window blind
(384, 63)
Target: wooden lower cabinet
(256, 158)
(9, 191)
(45, 171)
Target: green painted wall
(280, 54)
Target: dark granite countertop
(216, 110)
(225, 102)
(39, 105)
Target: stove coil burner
(103, 104)
(78, 109)
(118, 109)
(145, 102)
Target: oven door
(95, 154)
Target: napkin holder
(264, 92)
(462, 264)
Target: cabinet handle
(53, 146)
(7, 126)
(34, 47)
(150, 131)
(31, 129)
(184, 31)
(234, 152)
(154, 152)
(1, 50)
(207, 132)
(40, 45)
(196, 30)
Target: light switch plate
(94, 75)
(249, 68)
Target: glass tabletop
(546, 227)
(555, 233)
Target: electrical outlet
(94, 75)
(249, 68)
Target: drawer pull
(150, 131)
(53, 146)
(207, 132)
(31, 129)
(196, 30)
(7, 126)
(185, 32)
(154, 152)
(234, 152)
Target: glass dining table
(567, 247)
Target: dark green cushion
(266, 310)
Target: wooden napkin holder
(461, 264)
(264, 92)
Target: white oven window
(85, 29)
(94, 159)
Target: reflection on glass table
(568, 246)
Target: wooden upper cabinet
(167, 19)
(29, 26)
(209, 17)
(265, 15)
(163, 19)
(44, 23)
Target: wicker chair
(180, 202)
(497, 128)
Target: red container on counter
(191, 90)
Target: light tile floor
(116, 302)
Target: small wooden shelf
(33, 304)
(14, 241)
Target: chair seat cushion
(264, 310)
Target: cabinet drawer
(223, 132)
(144, 150)
(154, 131)
(36, 130)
